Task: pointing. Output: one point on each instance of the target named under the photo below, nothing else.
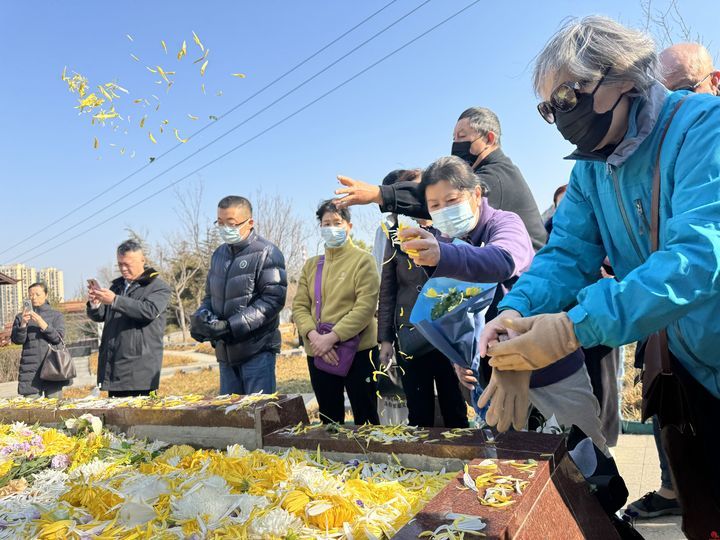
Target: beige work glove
(508, 394)
(543, 339)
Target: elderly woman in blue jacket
(597, 82)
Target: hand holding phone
(27, 306)
(93, 284)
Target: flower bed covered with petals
(92, 484)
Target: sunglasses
(692, 87)
(564, 98)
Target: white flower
(237, 451)
(276, 523)
(248, 503)
(208, 500)
(94, 469)
(85, 420)
(314, 479)
(146, 488)
(134, 512)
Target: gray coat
(35, 347)
(246, 286)
(131, 348)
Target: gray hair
(453, 170)
(483, 121)
(129, 245)
(587, 47)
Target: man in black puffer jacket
(245, 292)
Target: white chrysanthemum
(154, 446)
(47, 487)
(277, 523)
(237, 451)
(248, 503)
(314, 479)
(209, 500)
(94, 469)
(134, 512)
(144, 487)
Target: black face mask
(462, 150)
(582, 126)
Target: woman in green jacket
(349, 288)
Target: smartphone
(93, 284)
(27, 306)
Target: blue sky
(399, 114)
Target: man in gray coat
(133, 310)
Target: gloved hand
(543, 339)
(508, 394)
(216, 329)
(197, 329)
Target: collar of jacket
(146, 277)
(332, 254)
(486, 213)
(42, 309)
(240, 246)
(643, 115)
(495, 156)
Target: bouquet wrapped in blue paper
(450, 314)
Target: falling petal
(202, 86)
(238, 75)
(104, 93)
(162, 73)
(177, 136)
(162, 42)
(96, 143)
(129, 37)
(155, 97)
(63, 76)
(142, 121)
(219, 93)
(159, 82)
(138, 100)
(203, 67)
(151, 137)
(151, 70)
(203, 57)
(132, 154)
(134, 57)
(191, 117)
(197, 41)
(183, 51)
(122, 151)
(161, 129)
(157, 108)
(166, 122)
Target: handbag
(345, 350)
(412, 343)
(662, 393)
(58, 364)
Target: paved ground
(637, 460)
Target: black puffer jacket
(131, 349)
(247, 286)
(400, 286)
(35, 347)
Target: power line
(206, 126)
(228, 132)
(271, 127)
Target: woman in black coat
(36, 330)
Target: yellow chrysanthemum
(57, 443)
(5, 467)
(97, 500)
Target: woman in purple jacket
(497, 249)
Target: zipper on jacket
(644, 224)
(624, 215)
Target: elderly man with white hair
(689, 66)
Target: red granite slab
(556, 504)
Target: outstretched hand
(420, 245)
(356, 193)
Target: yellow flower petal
(162, 42)
(183, 51)
(95, 143)
(151, 137)
(177, 136)
(196, 39)
(134, 57)
(203, 67)
(191, 117)
(238, 75)
(129, 37)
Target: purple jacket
(499, 249)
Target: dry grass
(10, 363)
(205, 348)
(291, 373)
(631, 393)
(169, 360)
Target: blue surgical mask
(454, 221)
(334, 237)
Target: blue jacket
(606, 210)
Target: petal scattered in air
(129, 37)
(162, 42)
(134, 57)
(219, 93)
(196, 39)
(203, 57)
(151, 137)
(95, 143)
(191, 117)
(202, 86)
(151, 70)
(183, 50)
(203, 67)
(142, 121)
(238, 75)
(177, 136)
(162, 73)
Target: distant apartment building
(12, 296)
(53, 278)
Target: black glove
(198, 329)
(216, 329)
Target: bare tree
(667, 23)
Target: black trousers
(694, 459)
(128, 393)
(422, 375)
(360, 388)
